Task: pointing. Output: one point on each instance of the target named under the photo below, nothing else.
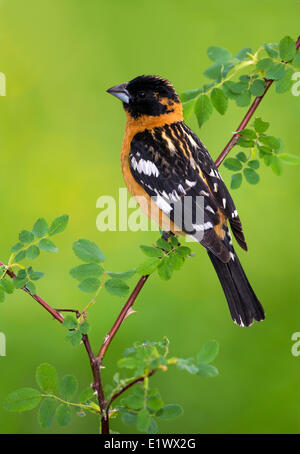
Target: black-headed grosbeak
(164, 162)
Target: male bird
(164, 163)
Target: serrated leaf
(208, 352)
(88, 251)
(151, 251)
(47, 245)
(40, 228)
(87, 270)
(68, 387)
(264, 64)
(251, 176)
(46, 413)
(23, 399)
(32, 252)
(236, 180)
(276, 71)
(233, 164)
(219, 54)
(203, 109)
(59, 225)
(163, 244)
(254, 164)
(125, 275)
(258, 87)
(46, 378)
(260, 126)
(26, 237)
(116, 287)
(207, 370)
(219, 100)
(271, 49)
(63, 414)
(70, 322)
(287, 49)
(165, 270)
(143, 420)
(148, 266)
(170, 411)
(74, 337)
(89, 285)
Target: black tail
(242, 301)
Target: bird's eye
(141, 94)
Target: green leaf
(68, 387)
(17, 247)
(163, 244)
(129, 418)
(47, 245)
(183, 251)
(276, 166)
(208, 352)
(214, 71)
(125, 275)
(148, 266)
(26, 237)
(143, 420)
(285, 83)
(188, 108)
(243, 100)
(46, 413)
(271, 142)
(236, 180)
(8, 285)
(264, 64)
(248, 134)
(258, 87)
(89, 285)
(190, 94)
(116, 287)
(260, 125)
(74, 337)
(20, 256)
(88, 251)
(271, 49)
(87, 270)
(289, 159)
(219, 100)
(296, 61)
(245, 143)
(84, 328)
(31, 288)
(23, 399)
(254, 164)
(152, 429)
(203, 109)
(219, 54)
(239, 87)
(176, 261)
(35, 275)
(70, 322)
(170, 411)
(207, 370)
(2, 295)
(32, 252)
(165, 270)
(287, 49)
(154, 403)
(63, 414)
(276, 71)
(46, 378)
(151, 251)
(128, 362)
(243, 53)
(241, 156)
(251, 176)
(20, 282)
(40, 228)
(59, 225)
(86, 395)
(233, 164)
(188, 365)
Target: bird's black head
(146, 95)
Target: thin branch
(121, 317)
(233, 141)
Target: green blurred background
(60, 143)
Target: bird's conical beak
(120, 91)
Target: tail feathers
(242, 301)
